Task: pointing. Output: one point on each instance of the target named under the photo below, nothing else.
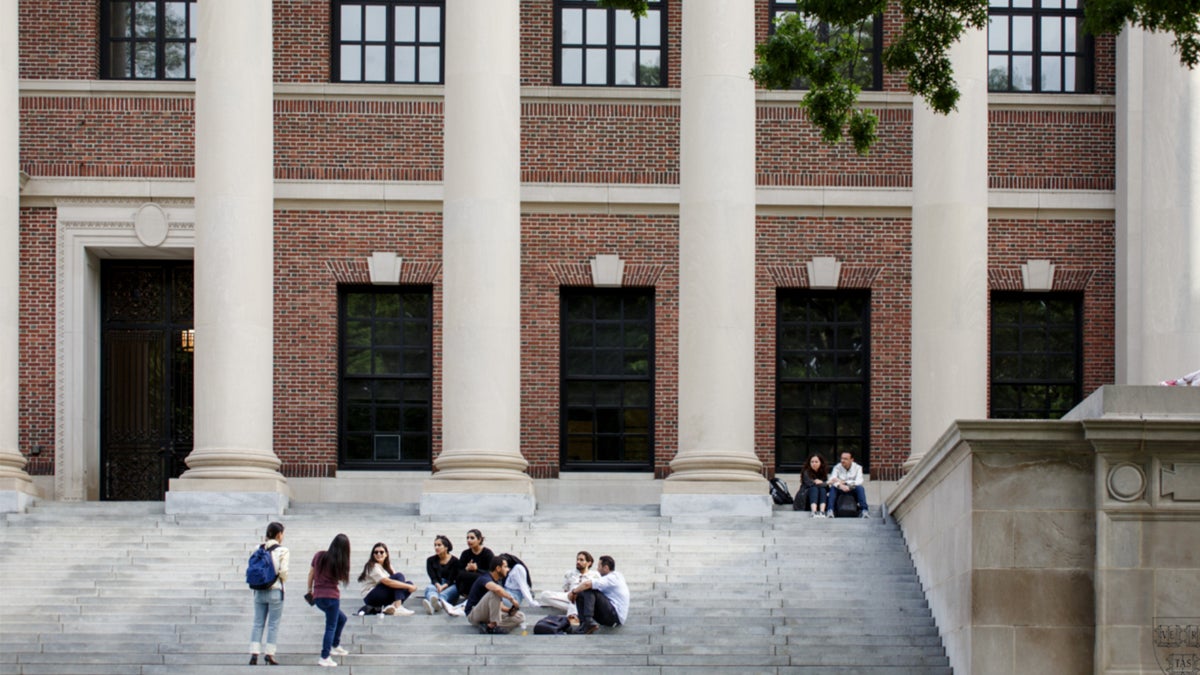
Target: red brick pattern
(310, 246)
(790, 152)
(550, 242)
(303, 36)
(600, 143)
(37, 305)
(59, 39)
(1084, 255)
(1046, 150)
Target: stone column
(480, 468)
(233, 467)
(715, 469)
(16, 488)
(949, 254)
(1158, 211)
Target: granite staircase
(108, 588)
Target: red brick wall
(306, 292)
(1045, 150)
(302, 34)
(1084, 255)
(107, 137)
(875, 253)
(59, 39)
(574, 239)
(35, 377)
(790, 152)
(600, 143)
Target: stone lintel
(243, 496)
(477, 498)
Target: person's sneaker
(327, 662)
(401, 610)
(338, 651)
(389, 610)
(587, 628)
(454, 610)
(865, 514)
(428, 606)
(436, 602)
(814, 515)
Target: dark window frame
(159, 40)
(778, 7)
(862, 454)
(566, 379)
(389, 43)
(611, 48)
(346, 381)
(1031, 329)
(1084, 52)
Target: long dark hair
(386, 564)
(822, 471)
(336, 561)
(513, 561)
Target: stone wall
(1060, 546)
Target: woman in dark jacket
(443, 570)
(814, 485)
(476, 561)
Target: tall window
(608, 47)
(1038, 46)
(148, 39)
(867, 70)
(823, 376)
(388, 41)
(607, 378)
(1036, 356)
(386, 376)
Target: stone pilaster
(1158, 216)
(480, 468)
(715, 469)
(233, 467)
(949, 254)
(16, 488)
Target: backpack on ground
(779, 491)
(260, 570)
(846, 505)
(555, 624)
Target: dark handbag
(779, 491)
(309, 599)
(554, 624)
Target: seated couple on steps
(820, 487)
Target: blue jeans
(859, 494)
(335, 621)
(450, 595)
(268, 607)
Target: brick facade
(394, 135)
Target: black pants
(593, 606)
(382, 596)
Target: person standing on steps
(329, 569)
(583, 570)
(383, 587)
(476, 561)
(268, 604)
(847, 476)
(443, 570)
(601, 602)
(486, 602)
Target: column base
(715, 498)
(200, 496)
(477, 498)
(16, 495)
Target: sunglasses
(379, 552)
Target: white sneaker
(338, 651)
(454, 610)
(389, 610)
(436, 602)
(428, 606)
(814, 515)
(327, 662)
(865, 514)
(401, 610)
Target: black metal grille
(1036, 369)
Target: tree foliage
(824, 59)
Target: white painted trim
(88, 232)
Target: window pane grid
(823, 376)
(396, 41)
(1038, 47)
(1035, 355)
(386, 377)
(602, 47)
(148, 39)
(607, 378)
(867, 72)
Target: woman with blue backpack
(268, 602)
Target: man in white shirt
(583, 570)
(603, 601)
(848, 475)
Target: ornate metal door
(146, 377)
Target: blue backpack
(260, 571)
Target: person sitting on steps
(485, 603)
(604, 601)
(848, 475)
(383, 587)
(583, 570)
(814, 486)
